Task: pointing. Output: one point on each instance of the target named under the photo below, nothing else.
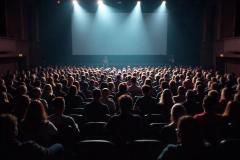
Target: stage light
(164, 2)
(75, 2)
(100, 2)
(138, 2)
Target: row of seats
(96, 130)
(143, 150)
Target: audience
(107, 95)
(12, 148)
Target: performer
(105, 61)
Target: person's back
(192, 145)
(126, 126)
(211, 122)
(147, 103)
(60, 120)
(105, 99)
(11, 148)
(168, 134)
(191, 106)
(96, 110)
(134, 90)
(72, 99)
(36, 125)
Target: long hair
(166, 97)
(36, 114)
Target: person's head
(190, 96)
(105, 92)
(164, 85)
(48, 89)
(226, 94)
(122, 87)
(148, 81)
(189, 131)
(181, 91)
(209, 104)
(36, 113)
(215, 94)
(177, 111)
(146, 90)
(21, 107)
(111, 86)
(96, 94)
(232, 111)
(200, 89)
(58, 105)
(133, 80)
(8, 128)
(58, 87)
(37, 93)
(125, 103)
(76, 83)
(103, 85)
(237, 97)
(3, 97)
(73, 90)
(21, 90)
(166, 97)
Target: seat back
(94, 130)
(229, 149)
(145, 149)
(95, 150)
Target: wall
(222, 41)
(21, 35)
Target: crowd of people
(39, 108)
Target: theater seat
(75, 111)
(229, 149)
(153, 130)
(95, 150)
(154, 118)
(93, 130)
(79, 119)
(145, 149)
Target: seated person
(60, 120)
(36, 125)
(168, 133)
(96, 111)
(191, 139)
(125, 126)
(147, 103)
(11, 148)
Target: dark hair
(146, 89)
(36, 114)
(232, 111)
(177, 111)
(59, 104)
(209, 103)
(125, 103)
(8, 127)
(96, 94)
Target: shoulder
(169, 152)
